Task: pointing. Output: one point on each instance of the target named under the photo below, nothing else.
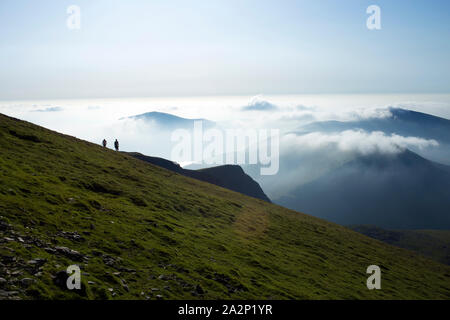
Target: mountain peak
(416, 116)
(168, 120)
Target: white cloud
(302, 107)
(358, 141)
(370, 113)
(49, 109)
(258, 104)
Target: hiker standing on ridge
(104, 143)
(116, 145)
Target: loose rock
(26, 282)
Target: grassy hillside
(141, 232)
(431, 243)
(231, 177)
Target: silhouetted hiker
(116, 145)
(104, 143)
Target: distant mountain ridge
(170, 121)
(402, 122)
(396, 191)
(231, 177)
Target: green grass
(152, 222)
(434, 244)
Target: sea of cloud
(94, 120)
(358, 141)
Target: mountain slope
(138, 231)
(234, 178)
(229, 176)
(431, 243)
(397, 191)
(401, 122)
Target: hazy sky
(132, 48)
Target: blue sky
(138, 48)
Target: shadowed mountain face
(402, 122)
(402, 191)
(229, 176)
(169, 121)
(234, 178)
